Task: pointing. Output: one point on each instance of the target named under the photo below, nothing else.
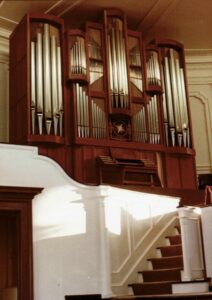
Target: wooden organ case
(106, 107)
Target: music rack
(98, 89)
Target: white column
(193, 266)
(104, 253)
(207, 238)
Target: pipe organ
(100, 91)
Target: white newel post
(193, 266)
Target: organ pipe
(47, 79)
(39, 81)
(33, 87)
(165, 113)
(59, 90)
(175, 93)
(168, 93)
(55, 108)
(186, 136)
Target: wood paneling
(180, 171)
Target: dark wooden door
(16, 265)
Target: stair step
(161, 275)
(149, 288)
(200, 286)
(174, 239)
(172, 250)
(189, 296)
(167, 262)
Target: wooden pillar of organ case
(179, 155)
(36, 85)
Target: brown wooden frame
(19, 200)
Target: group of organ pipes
(98, 118)
(78, 56)
(118, 78)
(124, 71)
(46, 82)
(139, 125)
(153, 69)
(174, 101)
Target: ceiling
(187, 21)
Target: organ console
(87, 93)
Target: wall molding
(4, 33)
(4, 46)
(199, 66)
(199, 96)
(198, 55)
(203, 169)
